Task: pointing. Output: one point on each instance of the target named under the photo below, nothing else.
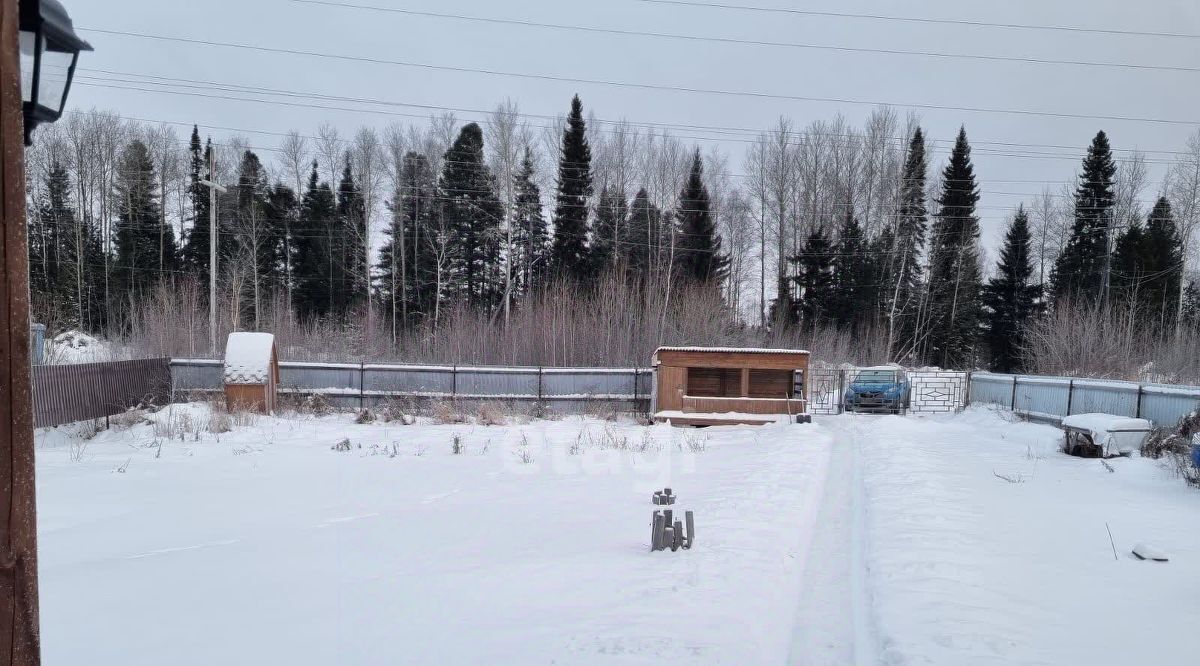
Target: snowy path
(832, 620)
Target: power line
(753, 42)
(236, 88)
(935, 21)
(646, 86)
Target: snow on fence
(369, 384)
(66, 393)
(1051, 398)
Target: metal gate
(825, 389)
(936, 391)
(930, 391)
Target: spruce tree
(609, 232)
(1079, 272)
(1164, 267)
(902, 276)
(471, 209)
(954, 305)
(351, 281)
(644, 221)
(852, 276)
(313, 261)
(1011, 300)
(407, 265)
(531, 237)
(65, 257)
(196, 245)
(698, 257)
(569, 251)
(145, 247)
(814, 278)
(1129, 265)
(1191, 306)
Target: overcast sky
(897, 79)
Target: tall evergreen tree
(65, 256)
(471, 209)
(1165, 261)
(698, 256)
(196, 245)
(1191, 306)
(350, 241)
(531, 236)
(1129, 265)
(955, 308)
(852, 276)
(903, 275)
(1080, 271)
(813, 278)
(569, 251)
(145, 247)
(313, 263)
(610, 228)
(645, 219)
(1010, 299)
(407, 261)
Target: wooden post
(19, 643)
(745, 388)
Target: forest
(578, 241)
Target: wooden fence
(66, 393)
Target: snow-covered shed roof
(248, 357)
(1105, 423)
(727, 350)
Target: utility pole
(213, 188)
(19, 643)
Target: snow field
(265, 545)
(968, 568)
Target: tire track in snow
(832, 626)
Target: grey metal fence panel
(196, 374)
(432, 380)
(352, 385)
(343, 376)
(66, 393)
(992, 389)
(496, 382)
(1048, 396)
(1055, 397)
(1106, 397)
(1165, 404)
(588, 382)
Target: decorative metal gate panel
(825, 389)
(937, 391)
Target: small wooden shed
(251, 372)
(727, 385)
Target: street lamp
(49, 50)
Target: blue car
(877, 390)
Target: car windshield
(875, 377)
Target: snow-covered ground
(855, 540)
(270, 547)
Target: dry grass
(492, 414)
(446, 412)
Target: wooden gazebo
(725, 385)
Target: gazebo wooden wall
(713, 380)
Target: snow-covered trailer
(727, 385)
(1103, 435)
(251, 372)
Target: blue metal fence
(367, 384)
(1052, 398)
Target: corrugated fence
(1052, 398)
(66, 393)
(368, 384)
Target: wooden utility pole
(213, 188)
(19, 644)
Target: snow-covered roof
(248, 357)
(739, 350)
(1104, 423)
